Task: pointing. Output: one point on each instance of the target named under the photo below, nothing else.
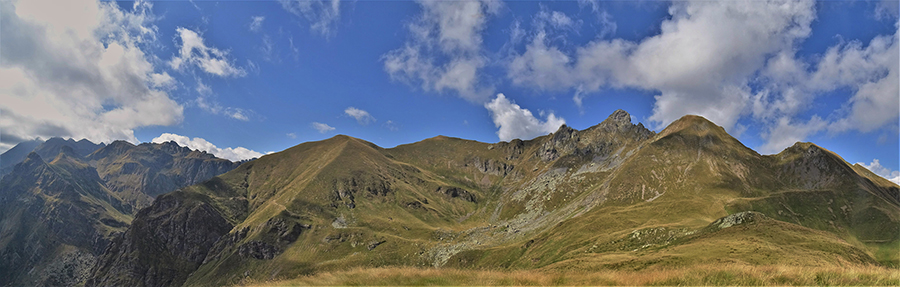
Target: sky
(241, 79)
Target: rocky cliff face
(55, 217)
(166, 242)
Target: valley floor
(731, 274)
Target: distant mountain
(45, 149)
(58, 212)
(81, 148)
(140, 173)
(615, 195)
(17, 154)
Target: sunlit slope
(615, 195)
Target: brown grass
(732, 274)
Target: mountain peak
(619, 116)
(693, 124)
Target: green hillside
(615, 196)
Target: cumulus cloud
(232, 154)
(322, 128)
(726, 60)
(444, 51)
(80, 70)
(514, 122)
(256, 23)
(194, 52)
(361, 116)
(882, 171)
(323, 16)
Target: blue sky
(243, 78)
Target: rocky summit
(615, 196)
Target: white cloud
(361, 116)
(322, 15)
(232, 154)
(291, 135)
(882, 171)
(256, 23)
(79, 70)
(444, 51)
(322, 128)
(699, 62)
(194, 52)
(514, 122)
(162, 81)
(726, 60)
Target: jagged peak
(619, 116)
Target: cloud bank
(80, 75)
(726, 61)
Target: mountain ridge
(344, 202)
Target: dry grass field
(721, 275)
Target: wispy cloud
(194, 52)
(256, 23)
(323, 16)
(362, 117)
(322, 128)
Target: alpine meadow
(449, 142)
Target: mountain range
(64, 201)
(615, 196)
(612, 196)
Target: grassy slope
(571, 211)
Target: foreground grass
(732, 274)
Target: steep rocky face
(166, 242)
(58, 213)
(601, 140)
(56, 218)
(614, 193)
